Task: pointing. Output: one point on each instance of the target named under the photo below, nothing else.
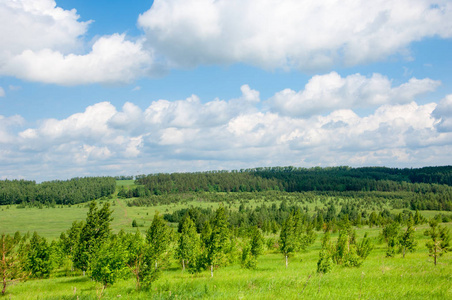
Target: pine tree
(406, 239)
(440, 242)
(287, 239)
(11, 263)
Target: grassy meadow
(412, 277)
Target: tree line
(73, 191)
(424, 189)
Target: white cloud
(112, 59)
(6, 123)
(297, 34)
(324, 93)
(443, 113)
(44, 43)
(2, 92)
(38, 24)
(191, 135)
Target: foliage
(406, 239)
(364, 247)
(73, 191)
(189, 243)
(94, 233)
(440, 240)
(150, 257)
(325, 263)
(391, 235)
(108, 266)
(253, 249)
(218, 241)
(11, 263)
(287, 239)
(38, 262)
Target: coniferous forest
(260, 233)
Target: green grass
(412, 277)
(125, 183)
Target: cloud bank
(291, 34)
(45, 43)
(190, 135)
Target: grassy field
(412, 277)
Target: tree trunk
(183, 264)
(403, 253)
(211, 270)
(4, 270)
(4, 286)
(436, 252)
(287, 261)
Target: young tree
(406, 239)
(440, 242)
(364, 248)
(219, 239)
(94, 233)
(253, 250)
(189, 242)
(70, 239)
(110, 263)
(287, 239)
(38, 257)
(390, 233)
(11, 263)
(148, 258)
(159, 237)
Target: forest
(264, 233)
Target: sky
(111, 87)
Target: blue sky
(113, 87)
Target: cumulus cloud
(44, 43)
(111, 60)
(192, 135)
(306, 35)
(328, 92)
(6, 123)
(443, 113)
(38, 24)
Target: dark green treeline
(73, 191)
